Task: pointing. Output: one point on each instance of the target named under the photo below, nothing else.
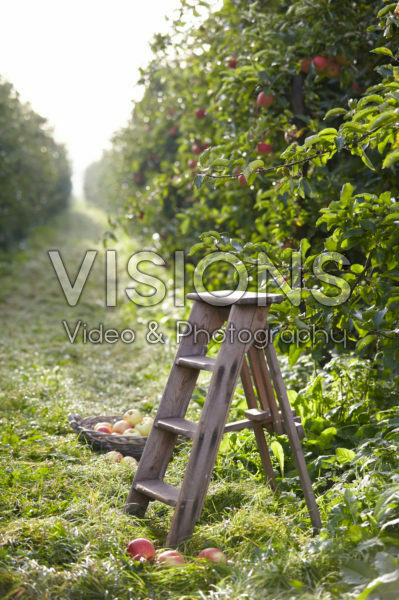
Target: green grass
(63, 532)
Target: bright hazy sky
(76, 62)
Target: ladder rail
(293, 437)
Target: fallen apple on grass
(113, 456)
(171, 558)
(141, 549)
(214, 555)
(129, 460)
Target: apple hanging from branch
(264, 148)
(264, 101)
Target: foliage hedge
(34, 170)
(324, 180)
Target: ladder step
(178, 426)
(267, 422)
(255, 414)
(238, 425)
(206, 363)
(158, 490)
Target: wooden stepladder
(246, 316)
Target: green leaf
(255, 164)
(370, 98)
(278, 452)
(366, 341)
(344, 455)
(391, 218)
(195, 248)
(386, 9)
(388, 116)
(390, 159)
(339, 142)
(220, 162)
(312, 139)
(382, 50)
(304, 246)
(198, 181)
(346, 192)
(357, 572)
(328, 132)
(211, 233)
(334, 112)
(366, 160)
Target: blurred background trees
(35, 176)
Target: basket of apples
(127, 434)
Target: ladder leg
(179, 388)
(293, 436)
(263, 386)
(258, 428)
(210, 428)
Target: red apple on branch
(332, 70)
(200, 113)
(233, 62)
(196, 148)
(264, 148)
(305, 65)
(242, 180)
(263, 100)
(320, 63)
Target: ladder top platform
(228, 297)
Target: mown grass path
(62, 530)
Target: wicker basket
(125, 444)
